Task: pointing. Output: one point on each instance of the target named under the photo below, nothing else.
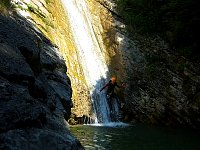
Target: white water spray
(94, 65)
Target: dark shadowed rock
(35, 92)
(40, 139)
(49, 58)
(13, 65)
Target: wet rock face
(35, 92)
(161, 86)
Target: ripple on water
(120, 136)
(110, 124)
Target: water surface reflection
(137, 137)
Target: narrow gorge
(56, 55)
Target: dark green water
(137, 137)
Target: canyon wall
(35, 92)
(162, 87)
(51, 18)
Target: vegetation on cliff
(175, 20)
(4, 4)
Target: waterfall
(90, 54)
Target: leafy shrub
(5, 4)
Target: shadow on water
(136, 137)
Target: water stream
(90, 54)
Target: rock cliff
(35, 92)
(50, 17)
(162, 87)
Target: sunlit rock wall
(50, 17)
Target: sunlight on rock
(87, 44)
(94, 65)
(119, 38)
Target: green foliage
(40, 15)
(175, 20)
(48, 1)
(31, 8)
(182, 21)
(5, 4)
(140, 14)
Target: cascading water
(94, 65)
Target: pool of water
(135, 137)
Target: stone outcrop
(35, 92)
(161, 86)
